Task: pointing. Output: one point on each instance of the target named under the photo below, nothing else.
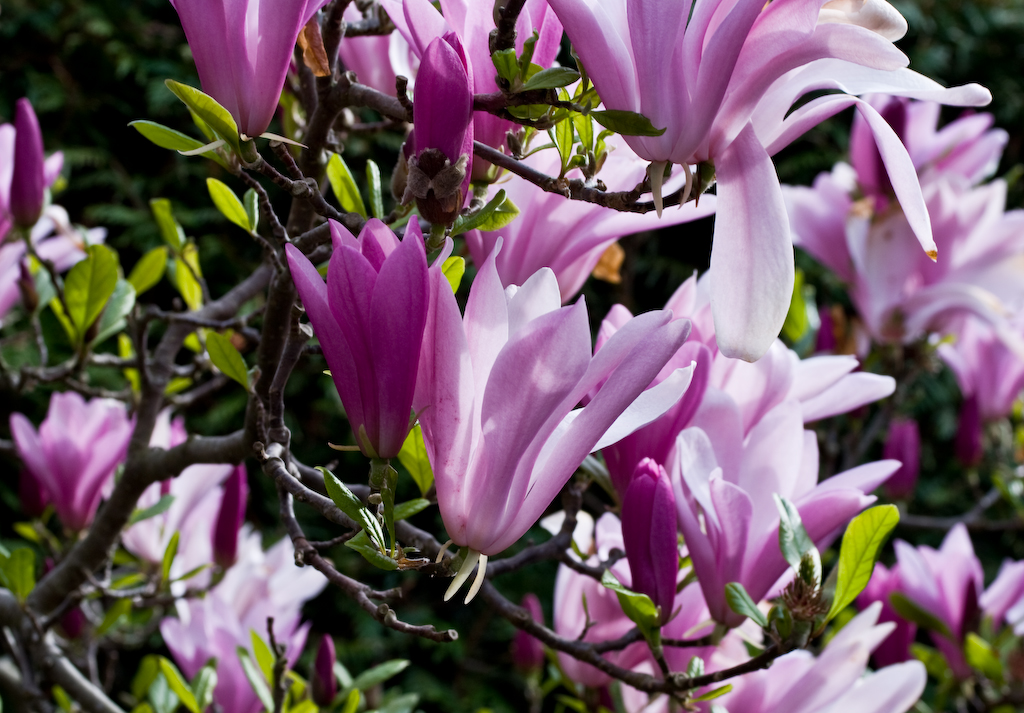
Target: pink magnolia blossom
(9, 150)
(369, 318)
(824, 385)
(323, 683)
(570, 236)
(986, 369)
(242, 52)
(260, 585)
(895, 648)
(900, 293)
(720, 78)
(197, 494)
(948, 583)
(28, 184)
(1004, 598)
(724, 482)
(527, 650)
(903, 444)
(74, 453)
(377, 59)
(496, 394)
(471, 21)
(835, 680)
(650, 535)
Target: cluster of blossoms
(703, 563)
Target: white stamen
(688, 187)
(203, 149)
(440, 554)
(479, 580)
(656, 171)
(472, 556)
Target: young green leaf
(379, 674)
(148, 270)
(158, 508)
(413, 455)
(251, 201)
(229, 204)
(169, 553)
(89, 285)
(373, 185)
(982, 657)
(117, 611)
(203, 685)
(206, 108)
(552, 78)
(454, 268)
(259, 686)
(264, 656)
(170, 230)
(349, 504)
(695, 667)
(167, 138)
(862, 541)
(913, 612)
(226, 358)
(186, 276)
(626, 123)
(714, 693)
(404, 511)
(179, 685)
(506, 64)
(387, 494)
(637, 607)
(793, 538)
(149, 667)
(18, 572)
(371, 552)
(740, 602)
(797, 322)
(505, 213)
(351, 702)
(485, 218)
(120, 306)
(344, 186)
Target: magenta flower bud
(527, 651)
(323, 683)
(28, 185)
(895, 648)
(826, 339)
(968, 434)
(74, 453)
(242, 52)
(904, 445)
(438, 178)
(370, 318)
(230, 518)
(31, 493)
(649, 533)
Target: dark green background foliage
(91, 67)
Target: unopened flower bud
(28, 185)
(31, 494)
(323, 684)
(230, 518)
(527, 650)
(649, 534)
(904, 445)
(968, 434)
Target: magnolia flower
(650, 536)
(570, 236)
(74, 453)
(987, 370)
(377, 59)
(527, 650)
(242, 52)
(948, 583)
(895, 648)
(824, 385)
(899, 293)
(903, 444)
(472, 21)
(197, 494)
(323, 684)
(442, 138)
(34, 173)
(1004, 598)
(369, 318)
(720, 78)
(260, 585)
(496, 394)
(724, 484)
(833, 681)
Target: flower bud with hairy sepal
(436, 185)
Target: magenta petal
(444, 101)
(27, 184)
(649, 534)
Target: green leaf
(454, 268)
(169, 553)
(914, 612)
(18, 572)
(120, 306)
(371, 552)
(117, 611)
(344, 186)
(264, 656)
(862, 541)
(44, 284)
(563, 136)
(387, 494)
(349, 504)
(226, 358)
(496, 214)
(404, 511)
(229, 204)
(714, 693)
(413, 455)
(797, 323)
(179, 685)
(793, 538)
(259, 686)
(185, 276)
(167, 138)
(626, 123)
(63, 699)
(351, 702)
(982, 658)
(148, 270)
(251, 201)
(170, 231)
(404, 703)
(89, 285)
(584, 125)
(934, 662)
(740, 602)
(373, 185)
(159, 507)
(379, 674)
(161, 695)
(144, 677)
(551, 79)
(304, 706)
(506, 64)
(206, 108)
(695, 667)
(637, 607)
(203, 685)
